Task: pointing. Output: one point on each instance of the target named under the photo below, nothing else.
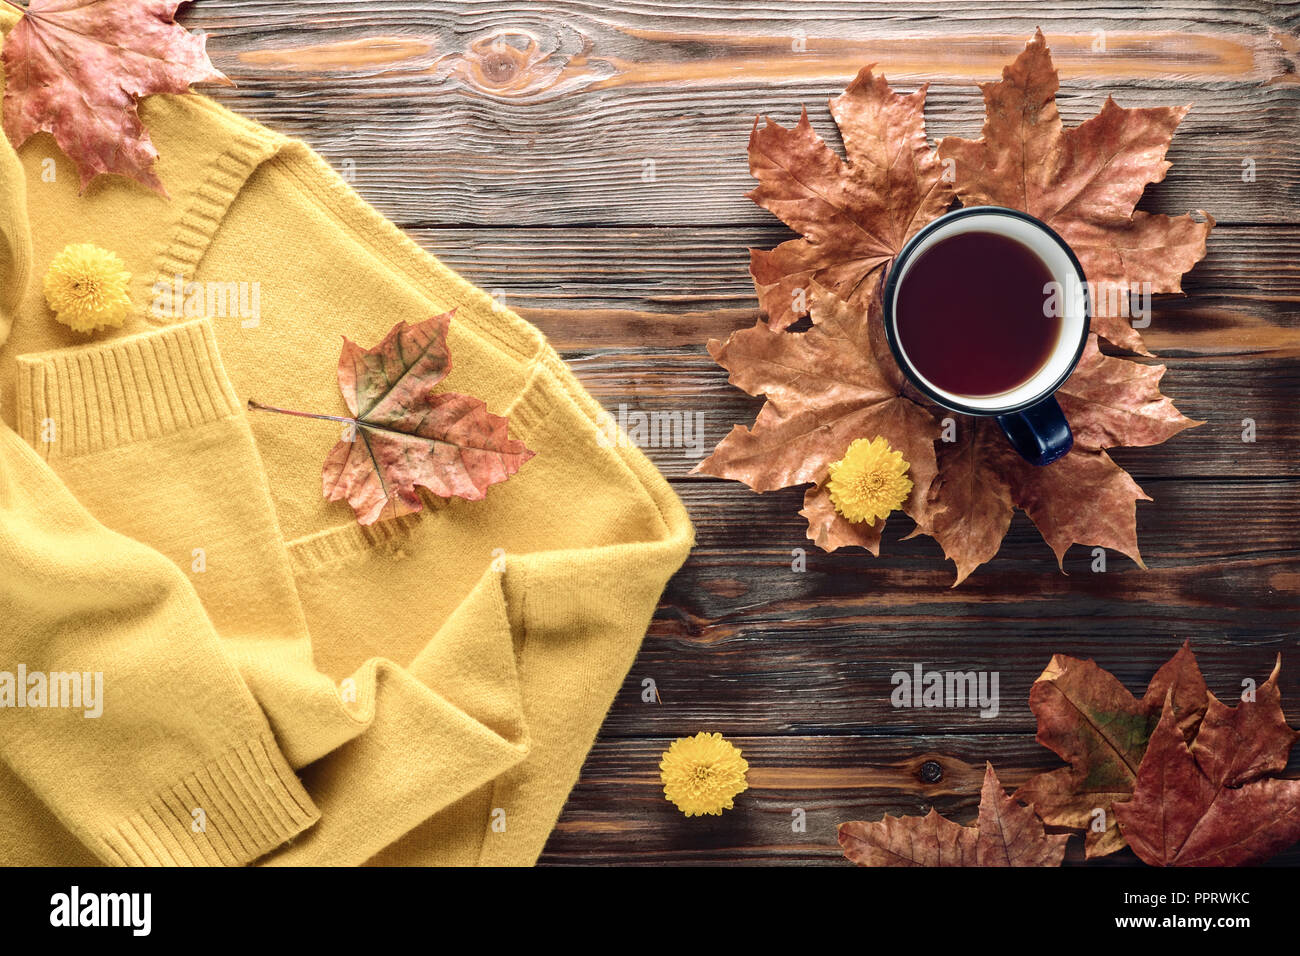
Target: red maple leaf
(404, 436)
(78, 68)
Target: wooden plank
(1189, 520)
(745, 643)
(695, 407)
(529, 114)
(617, 814)
(832, 670)
(432, 159)
(1251, 273)
(560, 46)
(1179, 327)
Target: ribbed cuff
(239, 807)
(81, 400)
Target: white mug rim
(986, 405)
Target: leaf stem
(259, 407)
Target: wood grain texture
(1221, 392)
(512, 140)
(1251, 270)
(586, 163)
(617, 814)
(545, 113)
(777, 650)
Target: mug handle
(1040, 432)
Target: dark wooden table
(511, 139)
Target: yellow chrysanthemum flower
(869, 482)
(703, 774)
(86, 286)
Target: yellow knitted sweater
(280, 684)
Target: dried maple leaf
(837, 381)
(1109, 402)
(824, 388)
(403, 435)
(855, 216)
(1091, 721)
(1209, 803)
(1084, 182)
(77, 69)
(970, 505)
(981, 482)
(1006, 833)
(1112, 402)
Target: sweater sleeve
(108, 661)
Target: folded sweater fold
(280, 683)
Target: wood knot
(931, 771)
(506, 63)
(519, 63)
(499, 68)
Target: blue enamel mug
(1028, 413)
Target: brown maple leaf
(1209, 803)
(982, 481)
(78, 68)
(854, 216)
(824, 388)
(970, 509)
(1112, 402)
(1084, 182)
(837, 382)
(1109, 402)
(1091, 721)
(1005, 834)
(404, 436)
